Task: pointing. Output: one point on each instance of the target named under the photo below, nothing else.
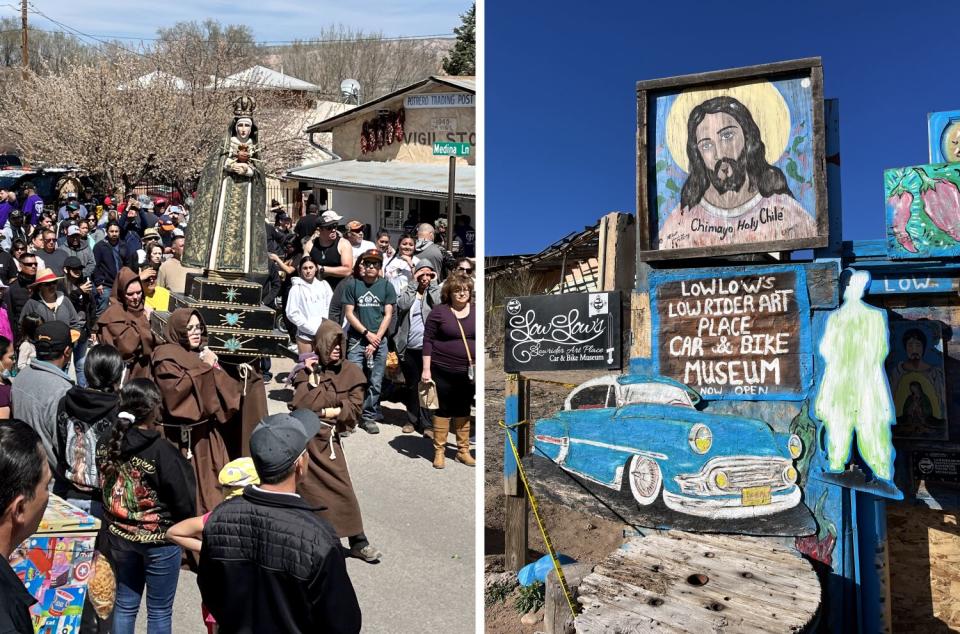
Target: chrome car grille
(742, 472)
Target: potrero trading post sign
(575, 331)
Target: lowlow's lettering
(737, 331)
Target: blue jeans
(371, 399)
(159, 568)
(79, 356)
(103, 301)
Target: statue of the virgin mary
(227, 235)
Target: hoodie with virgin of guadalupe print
(85, 417)
(149, 488)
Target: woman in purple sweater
(448, 359)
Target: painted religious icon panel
(733, 163)
(915, 371)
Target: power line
(158, 62)
(308, 41)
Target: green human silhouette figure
(854, 395)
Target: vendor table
(55, 564)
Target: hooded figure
(126, 327)
(323, 387)
(198, 398)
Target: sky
(560, 146)
(270, 21)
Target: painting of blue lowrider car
(645, 436)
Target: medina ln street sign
(449, 148)
(453, 150)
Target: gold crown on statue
(244, 106)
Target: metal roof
(265, 78)
(156, 77)
(425, 179)
(468, 84)
(575, 247)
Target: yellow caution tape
(536, 514)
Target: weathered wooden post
(517, 410)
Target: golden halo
(762, 99)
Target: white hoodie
(307, 305)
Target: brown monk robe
(328, 384)
(126, 326)
(199, 401)
(252, 411)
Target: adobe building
(384, 170)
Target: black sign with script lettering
(574, 331)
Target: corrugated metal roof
(156, 77)
(391, 176)
(465, 82)
(266, 78)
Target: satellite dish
(350, 89)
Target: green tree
(463, 57)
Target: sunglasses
(28, 264)
(370, 265)
(47, 240)
(465, 270)
(195, 328)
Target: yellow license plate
(755, 496)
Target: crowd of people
(171, 447)
(406, 309)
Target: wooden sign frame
(647, 214)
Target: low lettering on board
(742, 334)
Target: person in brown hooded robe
(333, 387)
(126, 326)
(199, 400)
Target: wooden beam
(517, 409)
(557, 618)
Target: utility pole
(25, 53)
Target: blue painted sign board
(909, 284)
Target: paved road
(421, 518)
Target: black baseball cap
(52, 338)
(72, 262)
(279, 439)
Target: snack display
(56, 563)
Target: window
(394, 203)
(392, 213)
(592, 397)
(656, 393)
